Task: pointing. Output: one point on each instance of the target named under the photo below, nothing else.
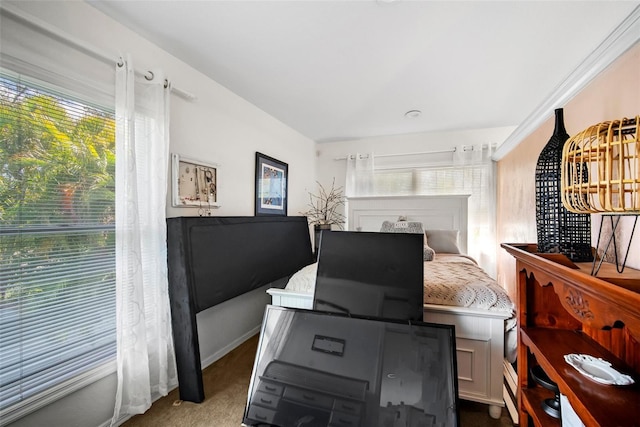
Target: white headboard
(434, 212)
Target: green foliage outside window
(57, 235)
(51, 145)
(57, 160)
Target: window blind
(476, 179)
(57, 238)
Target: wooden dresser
(562, 309)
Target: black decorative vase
(559, 230)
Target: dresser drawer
(308, 397)
(268, 387)
(266, 400)
(340, 419)
(347, 406)
(260, 414)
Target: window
(57, 238)
(446, 177)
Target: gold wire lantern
(601, 169)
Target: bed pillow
(443, 241)
(403, 226)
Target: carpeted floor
(225, 386)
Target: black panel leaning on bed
(213, 259)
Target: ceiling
(341, 70)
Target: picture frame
(271, 186)
(194, 183)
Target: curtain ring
(146, 76)
(120, 62)
(166, 83)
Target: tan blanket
(458, 282)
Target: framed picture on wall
(271, 186)
(194, 183)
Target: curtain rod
(77, 43)
(452, 150)
(419, 153)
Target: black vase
(559, 230)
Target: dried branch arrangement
(324, 206)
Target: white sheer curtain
(146, 357)
(478, 171)
(359, 176)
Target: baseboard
(123, 419)
(229, 347)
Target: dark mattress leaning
(213, 259)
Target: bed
(457, 290)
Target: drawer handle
(345, 422)
(263, 400)
(348, 407)
(308, 397)
(261, 417)
(270, 388)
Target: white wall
(611, 95)
(218, 127)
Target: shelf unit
(562, 309)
